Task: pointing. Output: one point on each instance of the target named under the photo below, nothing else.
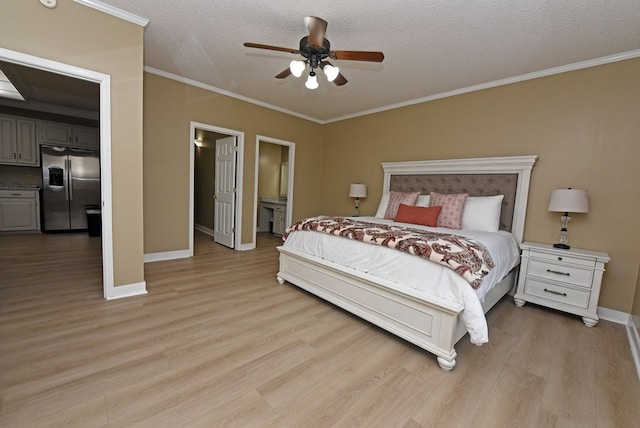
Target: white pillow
(423, 201)
(482, 213)
(382, 206)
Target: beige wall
(83, 37)
(169, 106)
(583, 125)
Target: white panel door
(225, 197)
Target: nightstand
(567, 280)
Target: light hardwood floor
(217, 342)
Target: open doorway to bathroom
(275, 161)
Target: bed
(431, 320)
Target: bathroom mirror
(284, 179)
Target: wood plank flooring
(217, 342)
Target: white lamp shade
(312, 82)
(297, 67)
(358, 190)
(569, 200)
(331, 72)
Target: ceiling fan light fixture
(331, 72)
(312, 81)
(297, 67)
(315, 48)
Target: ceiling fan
(315, 49)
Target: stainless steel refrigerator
(70, 184)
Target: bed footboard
(429, 324)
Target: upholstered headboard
(508, 176)
(473, 184)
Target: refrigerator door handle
(70, 181)
(65, 179)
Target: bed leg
(446, 365)
(280, 279)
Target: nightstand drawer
(560, 272)
(557, 293)
(587, 262)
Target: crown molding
(228, 93)
(507, 81)
(114, 11)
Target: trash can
(94, 220)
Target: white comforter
(415, 273)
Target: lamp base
(562, 246)
(563, 243)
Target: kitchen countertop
(273, 200)
(20, 187)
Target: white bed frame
(431, 324)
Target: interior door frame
(104, 80)
(256, 199)
(239, 182)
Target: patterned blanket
(467, 257)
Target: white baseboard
(613, 315)
(634, 341)
(167, 255)
(247, 247)
(632, 328)
(128, 290)
(203, 229)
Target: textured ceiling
(431, 47)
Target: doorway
(202, 142)
(274, 172)
(109, 290)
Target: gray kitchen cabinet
(18, 141)
(67, 135)
(19, 210)
(55, 134)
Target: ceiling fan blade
(358, 55)
(340, 80)
(284, 73)
(317, 28)
(269, 47)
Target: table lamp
(357, 191)
(566, 201)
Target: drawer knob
(558, 272)
(559, 258)
(555, 292)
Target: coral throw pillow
(397, 198)
(452, 208)
(427, 216)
